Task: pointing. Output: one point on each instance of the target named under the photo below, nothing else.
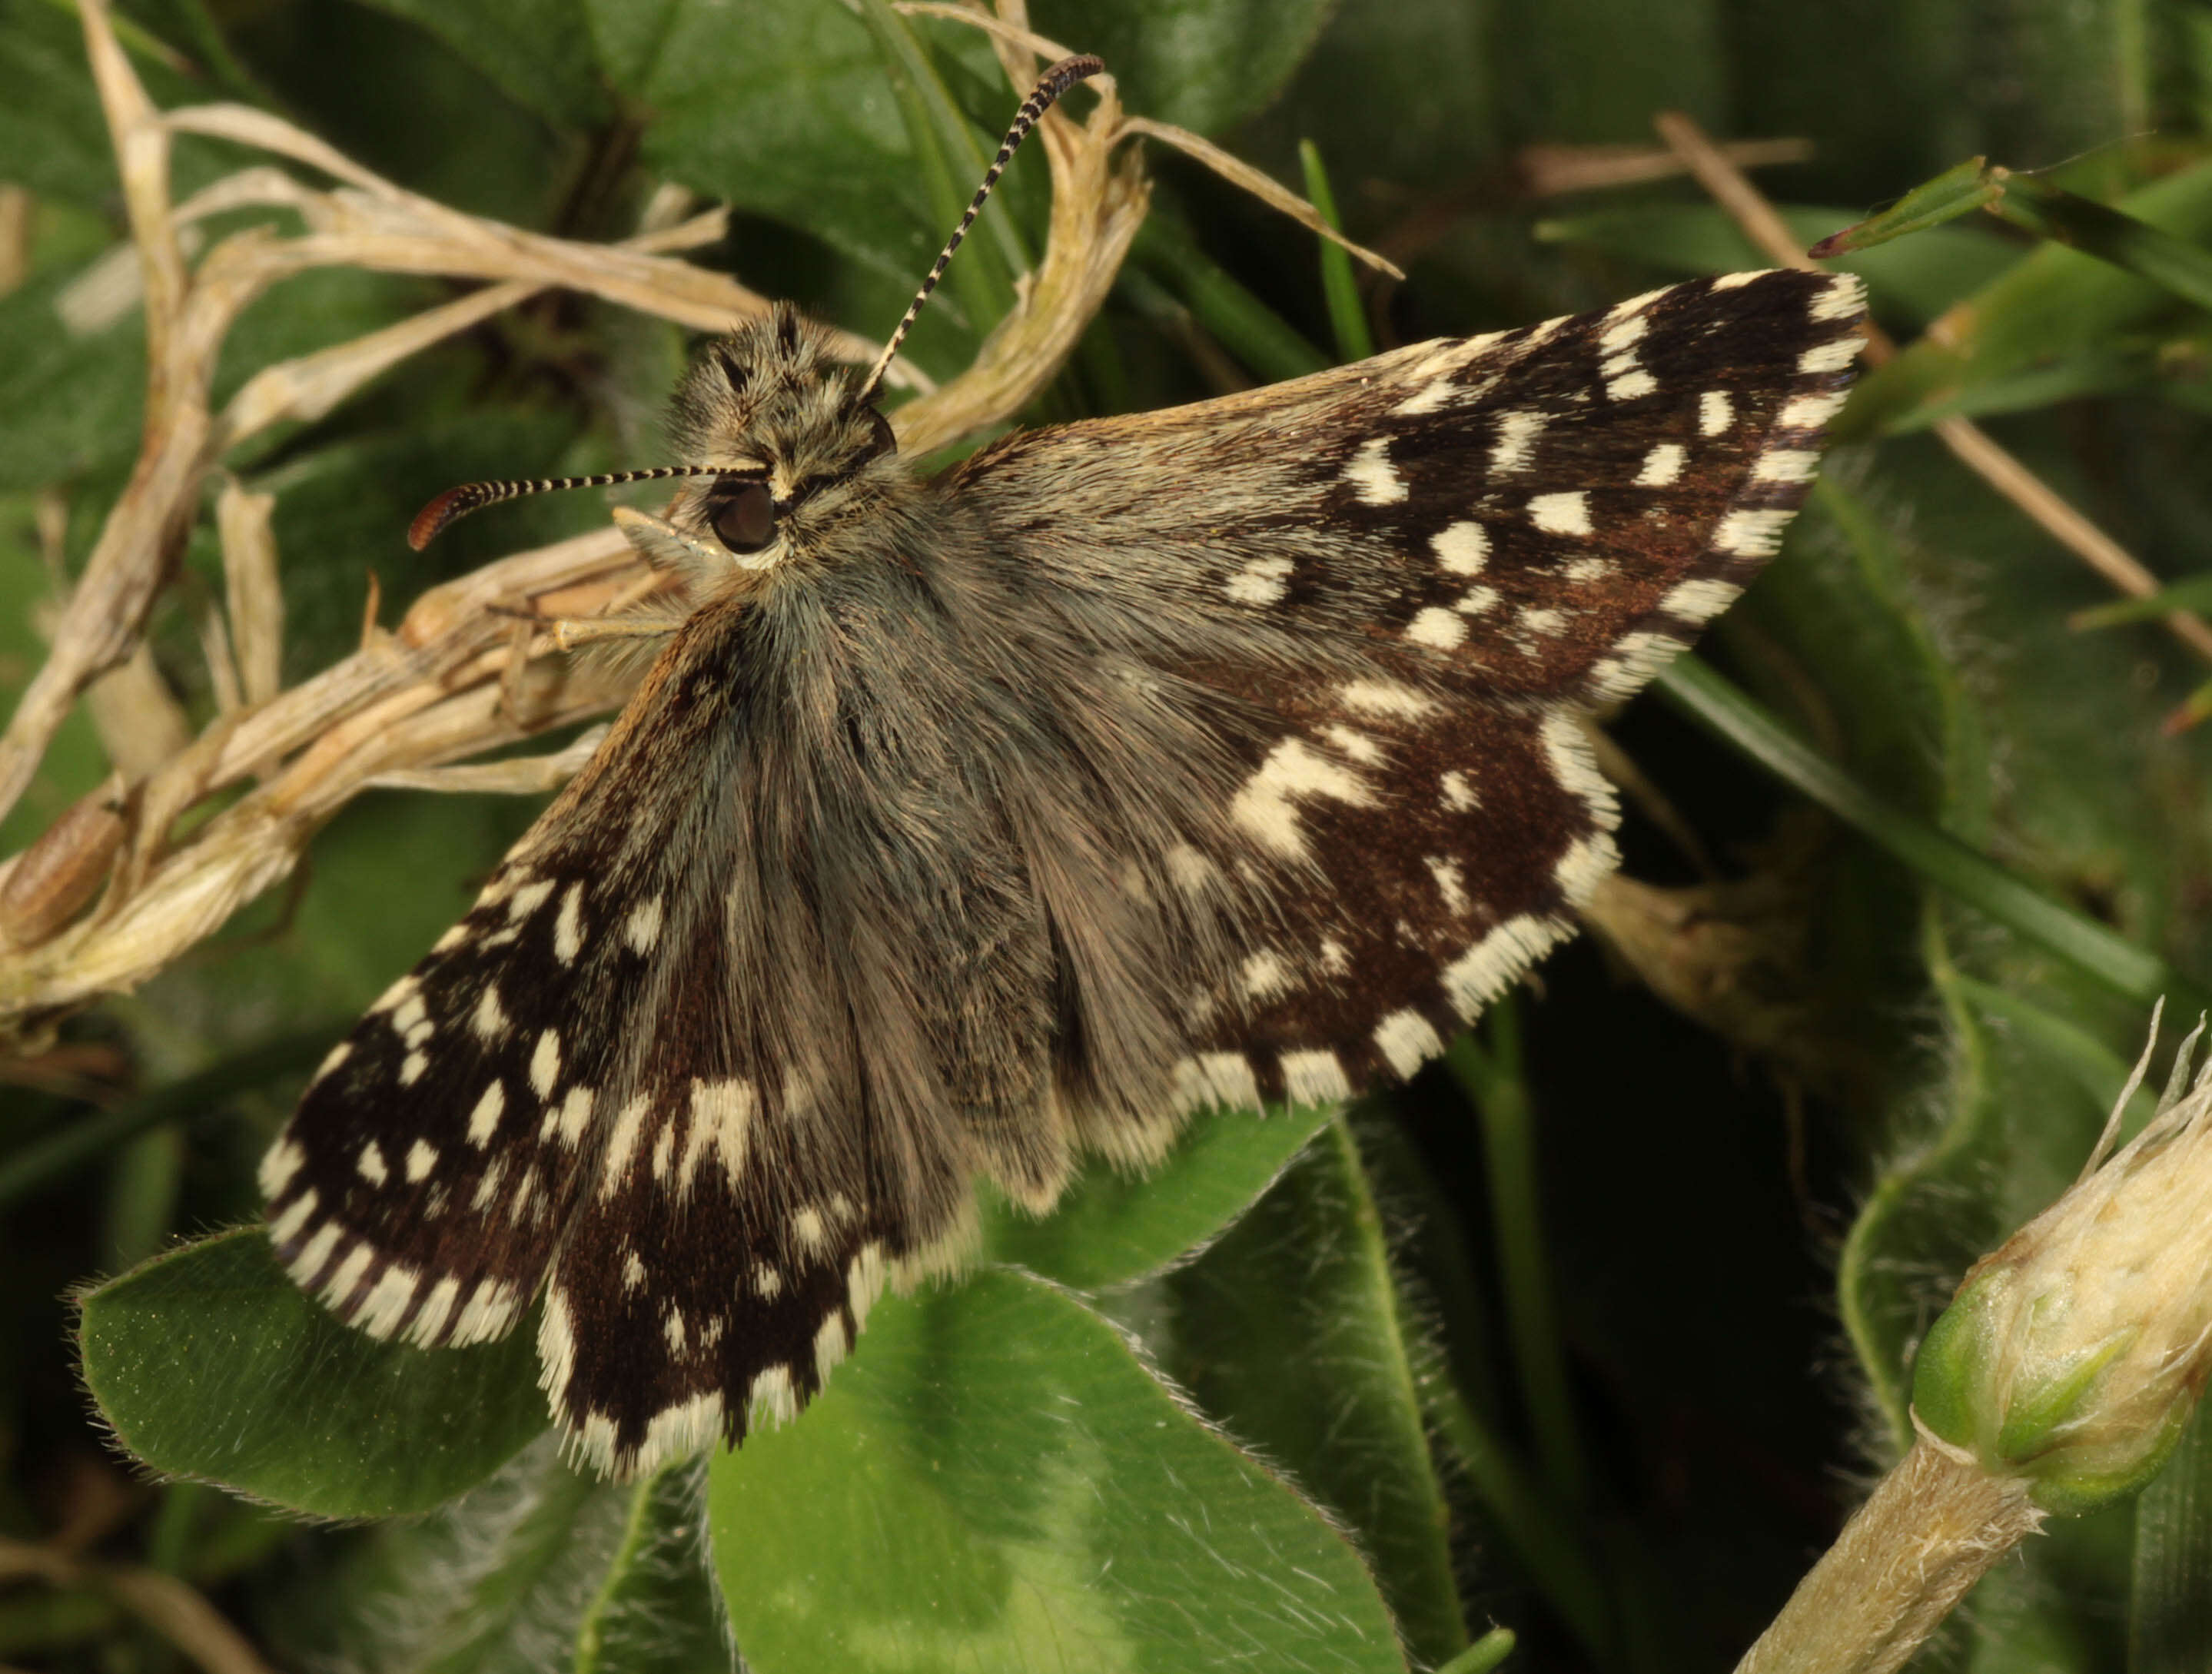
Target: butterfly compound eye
(745, 521)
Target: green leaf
(210, 1363)
(72, 394)
(780, 108)
(537, 51)
(997, 1483)
(1593, 70)
(786, 109)
(1936, 855)
(1113, 1227)
(342, 511)
(539, 1569)
(1201, 64)
(1294, 1330)
(1904, 1226)
(1397, 90)
(657, 1608)
(53, 137)
(2070, 1052)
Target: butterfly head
(785, 433)
(775, 437)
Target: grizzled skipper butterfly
(976, 824)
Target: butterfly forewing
(630, 1079)
(1533, 509)
(1220, 756)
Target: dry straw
(460, 676)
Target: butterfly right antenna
(1056, 80)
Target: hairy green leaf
(997, 1479)
(1113, 1227)
(209, 1362)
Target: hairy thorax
(933, 913)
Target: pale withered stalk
(2057, 1381)
(453, 680)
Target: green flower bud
(2071, 1358)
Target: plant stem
(1492, 1083)
(1932, 1529)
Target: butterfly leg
(616, 619)
(569, 632)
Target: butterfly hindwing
(1420, 856)
(423, 1186)
(734, 1225)
(1420, 571)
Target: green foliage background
(1583, 1333)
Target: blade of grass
(1346, 319)
(2049, 304)
(951, 163)
(2097, 230)
(2192, 593)
(2193, 710)
(1955, 192)
(1245, 326)
(1492, 1082)
(1724, 710)
(2036, 206)
(2051, 328)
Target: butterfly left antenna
(1056, 80)
(458, 503)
